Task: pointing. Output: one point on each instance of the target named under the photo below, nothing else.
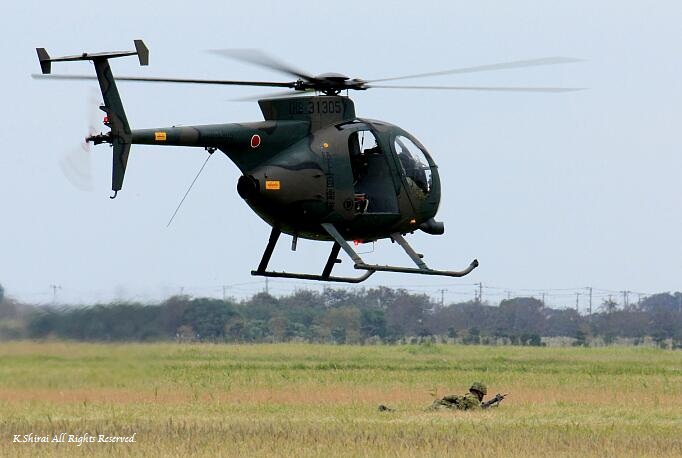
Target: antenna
(210, 153)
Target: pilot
(407, 162)
(413, 170)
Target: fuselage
(312, 161)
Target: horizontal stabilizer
(141, 52)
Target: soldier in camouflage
(471, 400)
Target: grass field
(314, 400)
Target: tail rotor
(76, 164)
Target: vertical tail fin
(120, 136)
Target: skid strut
(421, 269)
(341, 243)
(326, 273)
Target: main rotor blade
(258, 57)
(485, 68)
(483, 88)
(168, 80)
(271, 95)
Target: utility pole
(625, 299)
(54, 292)
(480, 292)
(577, 298)
(508, 294)
(442, 297)
(590, 309)
(543, 299)
(224, 292)
(267, 286)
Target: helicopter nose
(433, 227)
(247, 187)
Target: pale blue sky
(546, 190)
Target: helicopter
(312, 169)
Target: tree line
(375, 315)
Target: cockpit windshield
(414, 164)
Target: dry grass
(305, 400)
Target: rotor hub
(331, 76)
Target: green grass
(315, 400)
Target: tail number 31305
(315, 106)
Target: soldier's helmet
(480, 387)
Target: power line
(561, 297)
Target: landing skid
(339, 243)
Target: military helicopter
(312, 169)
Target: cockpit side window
(414, 163)
(373, 185)
(362, 145)
(363, 142)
